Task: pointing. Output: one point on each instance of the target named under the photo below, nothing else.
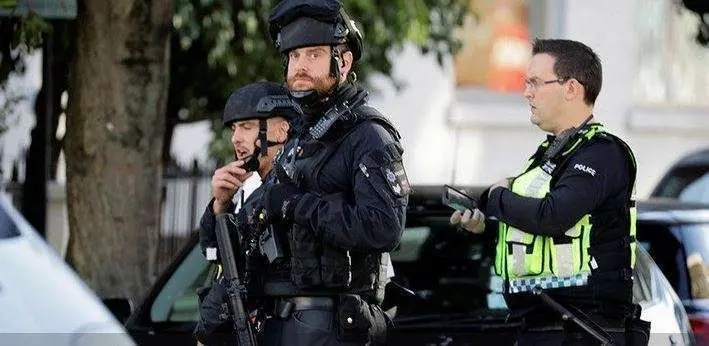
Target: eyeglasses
(535, 83)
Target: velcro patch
(396, 178)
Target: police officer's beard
(322, 86)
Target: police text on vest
(583, 168)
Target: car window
(8, 228)
(696, 191)
(685, 183)
(177, 300)
(668, 253)
(696, 244)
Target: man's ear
(278, 129)
(574, 89)
(285, 127)
(346, 63)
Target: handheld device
(457, 199)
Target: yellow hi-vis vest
(529, 261)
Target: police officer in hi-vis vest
(566, 222)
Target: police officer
(341, 190)
(567, 221)
(261, 117)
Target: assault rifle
(236, 289)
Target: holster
(360, 322)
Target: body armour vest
(528, 261)
(315, 266)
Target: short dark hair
(574, 60)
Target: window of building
(673, 69)
(496, 39)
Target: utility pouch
(212, 326)
(359, 322)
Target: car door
(168, 314)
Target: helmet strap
(335, 59)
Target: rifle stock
(235, 288)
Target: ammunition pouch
(360, 322)
(335, 268)
(305, 264)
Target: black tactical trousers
(314, 326)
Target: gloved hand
(471, 221)
(213, 326)
(280, 201)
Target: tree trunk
(115, 123)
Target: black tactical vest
(317, 268)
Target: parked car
(455, 298)
(687, 179)
(676, 235)
(42, 300)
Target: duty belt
(285, 306)
(519, 285)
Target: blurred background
(109, 112)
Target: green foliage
(220, 45)
(30, 32)
(19, 36)
(8, 4)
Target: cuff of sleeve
(493, 206)
(231, 207)
(207, 238)
(482, 200)
(304, 207)
(210, 208)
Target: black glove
(280, 201)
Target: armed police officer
(567, 221)
(341, 191)
(261, 117)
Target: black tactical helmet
(302, 23)
(260, 100)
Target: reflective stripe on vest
(529, 284)
(523, 256)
